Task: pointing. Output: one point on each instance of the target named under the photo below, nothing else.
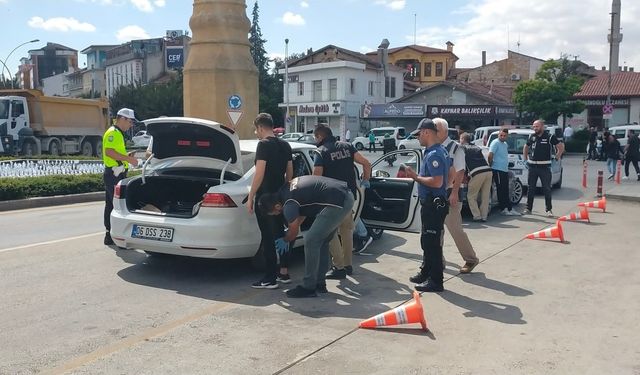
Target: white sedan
(190, 197)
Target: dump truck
(33, 124)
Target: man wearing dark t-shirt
(335, 160)
(326, 199)
(273, 167)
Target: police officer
(116, 162)
(335, 159)
(537, 153)
(432, 190)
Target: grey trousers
(316, 242)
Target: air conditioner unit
(174, 33)
(515, 77)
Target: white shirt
(568, 132)
(459, 163)
(348, 134)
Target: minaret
(220, 78)
(615, 37)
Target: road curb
(625, 198)
(57, 200)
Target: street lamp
(286, 86)
(12, 51)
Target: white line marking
(49, 242)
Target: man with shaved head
(453, 221)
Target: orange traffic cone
(553, 232)
(582, 215)
(405, 314)
(601, 204)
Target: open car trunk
(168, 195)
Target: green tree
(548, 96)
(5, 83)
(151, 100)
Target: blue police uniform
(435, 207)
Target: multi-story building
(330, 85)
(45, 62)
(423, 64)
(506, 72)
(144, 61)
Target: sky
(540, 28)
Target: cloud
(304, 4)
(143, 5)
(292, 19)
(576, 29)
(160, 3)
(392, 4)
(131, 32)
(60, 24)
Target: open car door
(392, 201)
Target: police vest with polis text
(541, 148)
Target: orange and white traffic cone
(553, 232)
(582, 215)
(405, 314)
(601, 204)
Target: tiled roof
(499, 95)
(415, 47)
(623, 84)
(370, 61)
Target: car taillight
(117, 191)
(217, 200)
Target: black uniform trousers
(633, 160)
(110, 182)
(542, 171)
(271, 228)
(431, 237)
(501, 178)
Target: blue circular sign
(235, 102)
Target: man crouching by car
(329, 201)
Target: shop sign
(393, 110)
(320, 109)
(462, 110)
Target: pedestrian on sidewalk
(116, 162)
(632, 154)
(499, 161)
(453, 221)
(326, 199)
(336, 159)
(480, 175)
(537, 153)
(372, 141)
(273, 167)
(613, 151)
(432, 192)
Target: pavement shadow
(408, 331)
(567, 194)
(480, 279)
(495, 311)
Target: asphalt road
(71, 305)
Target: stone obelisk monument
(220, 78)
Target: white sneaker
(504, 212)
(513, 213)
(625, 177)
(549, 213)
(526, 211)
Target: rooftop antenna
(518, 44)
(508, 41)
(415, 25)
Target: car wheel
(359, 146)
(29, 149)
(375, 233)
(86, 149)
(54, 148)
(558, 184)
(517, 192)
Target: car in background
(412, 142)
(290, 137)
(397, 133)
(621, 132)
(515, 142)
(309, 139)
(141, 139)
(481, 135)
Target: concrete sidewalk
(628, 190)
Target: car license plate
(152, 233)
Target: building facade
(506, 72)
(423, 64)
(330, 85)
(45, 62)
